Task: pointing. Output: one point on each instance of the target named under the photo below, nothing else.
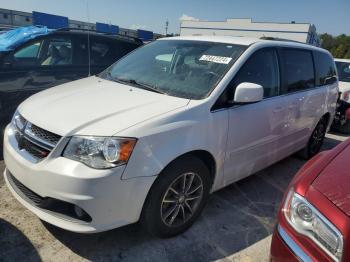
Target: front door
(255, 130)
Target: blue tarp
(13, 38)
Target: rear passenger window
(298, 69)
(261, 68)
(325, 68)
(100, 53)
(106, 52)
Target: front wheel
(177, 197)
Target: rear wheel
(177, 197)
(316, 140)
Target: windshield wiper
(138, 84)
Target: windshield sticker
(216, 59)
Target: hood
(93, 106)
(334, 181)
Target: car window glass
(163, 61)
(30, 51)
(58, 52)
(182, 68)
(261, 68)
(298, 69)
(102, 53)
(27, 56)
(325, 68)
(105, 52)
(343, 71)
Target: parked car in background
(150, 137)
(54, 58)
(342, 117)
(313, 223)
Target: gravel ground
(236, 225)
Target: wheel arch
(205, 156)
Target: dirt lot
(236, 225)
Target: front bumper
(110, 201)
(284, 248)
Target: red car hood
(334, 181)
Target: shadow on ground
(11, 237)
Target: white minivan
(153, 135)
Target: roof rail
(138, 40)
(280, 39)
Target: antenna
(88, 34)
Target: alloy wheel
(181, 200)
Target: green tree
(339, 46)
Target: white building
(301, 32)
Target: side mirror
(331, 80)
(248, 93)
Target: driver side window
(26, 56)
(261, 68)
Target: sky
(329, 16)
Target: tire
(166, 214)
(345, 128)
(316, 140)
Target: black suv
(52, 59)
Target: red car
(313, 222)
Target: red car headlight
(308, 221)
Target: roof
(246, 41)
(98, 34)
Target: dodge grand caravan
(150, 137)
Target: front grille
(34, 140)
(45, 135)
(33, 149)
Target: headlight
(100, 152)
(308, 221)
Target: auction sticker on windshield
(216, 59)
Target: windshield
(343, 71)
(182, 68)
